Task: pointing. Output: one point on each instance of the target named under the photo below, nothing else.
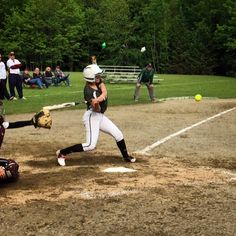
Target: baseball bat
(62, 105)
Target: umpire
(15, 80)
(145, 77)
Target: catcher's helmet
(91, 71)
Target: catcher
(8, 167)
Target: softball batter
(95, 94)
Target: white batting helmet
(91, 71)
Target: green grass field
(121, 94)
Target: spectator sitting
(37, 75)
(49, 76)
(29, 80)
(60, 76)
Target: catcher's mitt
(42, 119)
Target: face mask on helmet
(91, 71)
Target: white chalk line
(184, 98)
(107, 194)
(231, 174)
(154, 145)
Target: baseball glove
(42, 119)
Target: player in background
(145, 77)
(95, 94)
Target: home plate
(118, 169)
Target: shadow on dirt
(80, 168)
(81, 159)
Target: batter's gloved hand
(95, 105)
(42, 119)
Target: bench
(123, 74)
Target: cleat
(154, 100)
(130, 159)
(60, 158)
(12, 98)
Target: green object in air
(104, 45)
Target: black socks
(122, 146)
(74, 148)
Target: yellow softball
(198, 97)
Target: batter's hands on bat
(95, 105)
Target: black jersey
(91, 93)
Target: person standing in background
(15, 80)
(3, 81)
(145, 77)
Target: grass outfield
(121, 94)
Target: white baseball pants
(94, 122)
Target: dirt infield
(186, 186)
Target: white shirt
(10, 63)
(3, 74)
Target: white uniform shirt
(3, 74)
(10, 63)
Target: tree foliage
(181, 36)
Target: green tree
(108, 22)
(155, 33)
(181, 36)
(194, 48)
(45, 34)
(225, 41)
(7, 8)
